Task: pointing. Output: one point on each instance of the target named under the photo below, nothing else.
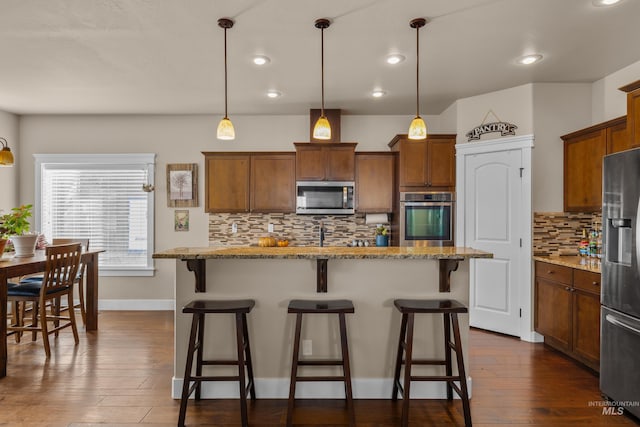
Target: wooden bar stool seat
(339, 307)
(199, 309)
(450, 310)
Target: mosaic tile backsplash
(300, 230)
(559, 233)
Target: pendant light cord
(417, 71)
(225, 73)
(322, 66)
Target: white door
(493, 216)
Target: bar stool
(449, 309)
(339, 307)
(196, 343)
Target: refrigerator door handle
(611, 319)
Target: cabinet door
(413, 164)
(633, 117)
(586, 327)
(583, 172)
(227, 179)
(374, 182)
(340, 163)
(553, 312)
(310, 163)
(617, 139)
(442, 163)
(273, 179)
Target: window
(99, 197)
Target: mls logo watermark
(614, 407)
(612, 410)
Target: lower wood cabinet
(567, 311)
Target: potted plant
(382, 235)
(16, 226)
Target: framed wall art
(182, 185)
(181, 220)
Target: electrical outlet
(270, 228)
(234, 228)
(307, 347)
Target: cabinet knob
(595, 283)
(550, 272)
(566, 288)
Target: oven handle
(426, 203)
(611, 319)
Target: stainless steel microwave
(325, 197)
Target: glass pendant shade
(6, 156)
(322, 129)
(417, 129)
(226, 130)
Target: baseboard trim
(278, 388)
(136, 304)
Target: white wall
(179, 139)
(9, 175)
(558, 109)
(607, 101)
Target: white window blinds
(100, 197)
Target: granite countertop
(581, 263)
(331, 252)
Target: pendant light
(6, 157)
(418, 128)
(225, 127)
(322, 128)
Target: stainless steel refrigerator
(620, 312)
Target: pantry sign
(503, 127)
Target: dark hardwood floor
(120, 376)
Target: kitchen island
(371, 277)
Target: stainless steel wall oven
(426, 218)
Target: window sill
(123, 272)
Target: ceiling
(166, 56)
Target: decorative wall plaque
(503, 127)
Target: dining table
(13, 267)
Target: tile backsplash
(559, 233)
(300, 230)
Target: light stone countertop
(581, 263)
(330, 252)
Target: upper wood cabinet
(633, 113)
(227, 182)
(426, 163)
(583, 154)
(374, 182)
(252, 182)
(325, 161)
(273, 179)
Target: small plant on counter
(381, 230)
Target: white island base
(373, 331)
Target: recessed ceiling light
(529, 59)
(261, 60)
(274, 94)
(395, 58)
(602, 3)
(378, 93)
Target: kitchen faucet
(321, 234)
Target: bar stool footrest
(335, 362)
(447, 378)
(219, 362)
(316, 378)
(426, 362)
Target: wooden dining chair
(61, 268)
(79, 278)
